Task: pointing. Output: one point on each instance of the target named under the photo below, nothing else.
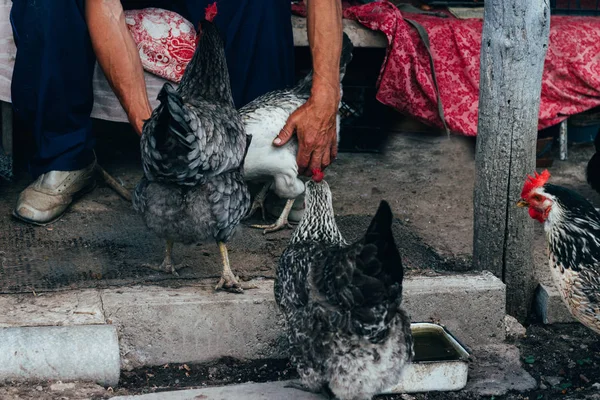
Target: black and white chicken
(349, 336)
(193, 147)
(572, 227)
(263, 119)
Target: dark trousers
(52, 80)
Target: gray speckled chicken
(264, 118)
(193, 147)
(349, 336)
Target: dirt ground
(425, 176)
(101, 242)
(564, 360)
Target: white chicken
(276, 166)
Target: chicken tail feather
(365, 274)
(173, 116)
(593, 168)
(593, 172)
(346, 57)
(380, 234)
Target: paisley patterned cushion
(165, 41)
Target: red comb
(210, 12)
(533, 182)
(317, 175)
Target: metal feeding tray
(440, 362)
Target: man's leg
(259, 44)
(52, 93)
(52, 81)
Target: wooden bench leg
(562, 140)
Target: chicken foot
(282, 222)
(167, 265)
(259, 202)
(228, 281)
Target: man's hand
(314, 122)
(315, 125)
(138, 124)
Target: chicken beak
(522, 203)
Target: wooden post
(513, 50)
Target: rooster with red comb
(572, 227)
(349, 336)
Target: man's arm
(315, 122)
(118, 56)
(324, 26)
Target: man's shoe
(47, 198)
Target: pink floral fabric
(165, 40)
(570, 83)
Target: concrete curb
(245, 391)
(88, 353)
(158, 325)
(194, 324)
